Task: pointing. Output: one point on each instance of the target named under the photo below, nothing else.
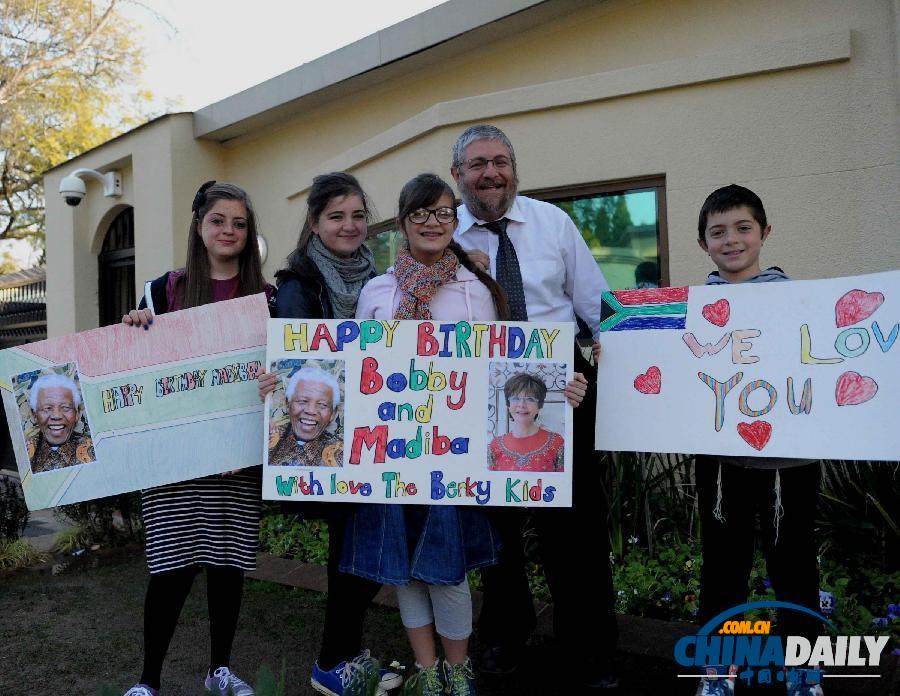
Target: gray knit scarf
(344, 275)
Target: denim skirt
(437, 544)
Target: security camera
(72, 189)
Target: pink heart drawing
(855, 306)
(755, 434)
(718, 312)
(852, 389)
(650, 382)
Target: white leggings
(448, 607)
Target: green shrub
(109, 521)
(664, 586)
(71, 539)
(289, 537)
(862, 593)
(17, 554)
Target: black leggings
(166, 594)
(349, 597)
(574, 550)
(748, 494)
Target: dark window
(116, 268)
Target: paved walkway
(43, 525)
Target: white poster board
(806, 369)
(415, 412)
(118, 409)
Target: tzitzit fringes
(779, 508)
(717, 510)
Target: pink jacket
(465, 298)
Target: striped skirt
(212, 520)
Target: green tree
(63, 66)
(604, 219)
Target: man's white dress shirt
(559, 273)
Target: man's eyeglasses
(442, 215)
(479, 164)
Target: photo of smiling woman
(529, 445)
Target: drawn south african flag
(635, 310)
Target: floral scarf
(419, 282)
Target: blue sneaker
(351, 678)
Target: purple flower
(879, 621)
(826, 602)
(767, 583)
(667, 597)
(893, 610)
(896, 651)
(695, 611)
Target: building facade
(627, 113)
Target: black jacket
(302, 293)
(158, 293)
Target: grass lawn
(69, 634)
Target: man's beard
(484, 211)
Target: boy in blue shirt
(734, 491)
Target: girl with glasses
(426, 550)
(527, 446)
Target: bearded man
(536, 254)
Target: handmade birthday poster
(120, 408)
(804, 369)
(419, 412)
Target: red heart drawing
(717, 313)
(855, 306)
(852, 389)
(755, 434)
(650, 382)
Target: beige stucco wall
(819, 143)
(797, 99)
(161, 164)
